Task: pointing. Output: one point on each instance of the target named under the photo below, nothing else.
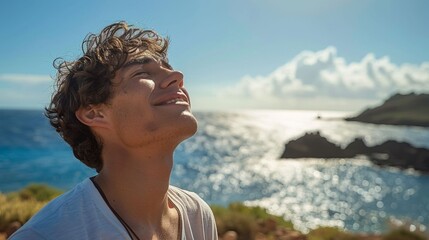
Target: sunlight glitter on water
(240, 158)
(235, 157)
(335, 193)
(314, 194)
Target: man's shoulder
(60, 213)
(185, 195)
(189, 200)
(68, 202)
(198, 216)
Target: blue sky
(271, 54)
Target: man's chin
(188, 124)
(193, 124)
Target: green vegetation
(37, 192)
(330, 233)
(403, 234)
(20, 206)
(247, 222)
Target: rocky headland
(400, 109)
(390, 153)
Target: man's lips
(172, 98)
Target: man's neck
(136, 183)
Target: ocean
(235, 157)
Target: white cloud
(25, 90)
(325, 75)
(25, 78)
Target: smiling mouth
(178, 101)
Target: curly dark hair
(88, 81)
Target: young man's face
(150, 103)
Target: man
(123, 109)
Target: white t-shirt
(82, 214)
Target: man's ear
(92, 116)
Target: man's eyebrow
(137, 61)
(145, 60)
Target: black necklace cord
(121, 220)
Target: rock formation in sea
(390, 153)
(400, 109)
(313, 145)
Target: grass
(248, 222)
(20, 206)
(330, 233)
(403, 234)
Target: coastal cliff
(409, 109)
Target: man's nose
(174, 78)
